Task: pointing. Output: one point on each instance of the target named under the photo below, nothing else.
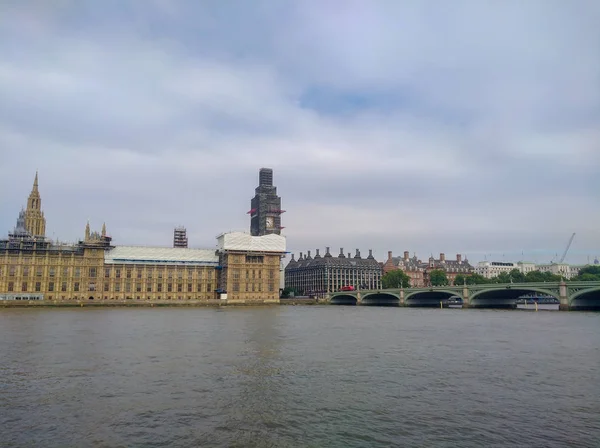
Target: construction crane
(567, 249)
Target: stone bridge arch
(381, 298)
(506, 296)
(585, 298)
(430, 297)
(344, 299)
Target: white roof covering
(246, 242)
(160, 255)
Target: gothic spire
(103, 229)
(87, 231)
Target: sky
(467, 127)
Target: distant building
(265, 207)
(418, 271)
(452, 268)
(411, 266)
(320, 275)
(180, 237)
(490, 269)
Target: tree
(437, 277)
(477, 279)
(395, 279)
(588, 274)
(460, 280)
(289, 292)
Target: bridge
(571, 295)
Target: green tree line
(437, 277)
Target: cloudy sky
(428, 126)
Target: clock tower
(265, 207)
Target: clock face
(269, 222)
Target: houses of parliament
(242, 268)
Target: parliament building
(241, 268)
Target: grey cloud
(389, 125)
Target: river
(298, 376)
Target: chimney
(349, 255)
(292, 258)
(327, 254)
(308, 255)
(389, 254)
(317, 254)
(370, 253)
(300, 258)
(357, 254)
(405, 255)
(459, 258)
(341, 255)
(442, 257)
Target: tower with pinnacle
(35, 222)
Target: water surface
(299, 377)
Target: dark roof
(307, 261)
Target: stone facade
(321, 275)
(241, 268)
(418, 271)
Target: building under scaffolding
(180, 237)
(265, 207)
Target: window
(128, 274)
(92, 287)
(255, 259)
(24, 287)
(170, 287)
(63, 287)
(65, 272)
(51, 272)
(106, 272)
(138, 287)
(11, 286)
(179, 275)
(106, 287)
(38, 286)
(271, 286)
(139, 273)
(199, 287)
(117, 287)
(236, 274)
(11, 271)
(38, 272)
(160, 274)
(179, 287)
(189, 287)
(77, 272)
(236, 287)
(271, 274)
(51, 286)
(209, 288)
(25, 271)
(118, 273)
(149, 273)
(169, 274)
(128, 286)
(159, 287)
(76, 286)
(190, 274)
(149, 287)
(93, 272)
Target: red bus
(347, 288)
